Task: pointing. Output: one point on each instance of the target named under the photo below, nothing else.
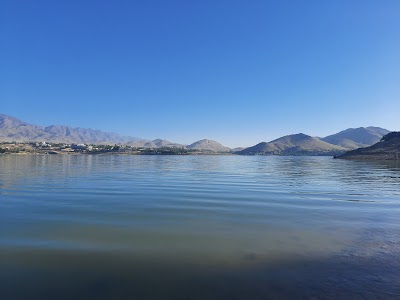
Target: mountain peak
(208, 145)
(10, 122)
(353, 138)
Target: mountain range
(13, 129)
(301, 143)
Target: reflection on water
(198, 227)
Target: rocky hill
(387, 148)
(354, 138)
(208, 145)
(293, 144)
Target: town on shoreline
(63, 148)
(45, 148)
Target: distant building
(78, 146)
(43, 144)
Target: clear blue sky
(239, 72)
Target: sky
(239, 72)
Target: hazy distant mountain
(354, 138)
(388, 148)
(237, 149)
(294, 143)
(208, 145)
(158, 143)
(165, 143)
(13, 129)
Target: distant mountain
(141, 143)
(292, 144)
(237, 149)
(13, 129)
(354, 138)
(158, 143)
(164, 143)
(208, 145)
(387, 148)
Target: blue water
(198, 227)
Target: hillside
(13, 129)
(293, 144)
(165, 143)
(354, 138)
(208, 145)
(157, 143)
(387, 148)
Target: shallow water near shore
(198, 227)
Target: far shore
(200, 153)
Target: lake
(198, 227)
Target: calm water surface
(198, 227)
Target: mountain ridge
(14, 129)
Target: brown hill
(295, 143)
(387, 148)
(208, 145)
(354, 138)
